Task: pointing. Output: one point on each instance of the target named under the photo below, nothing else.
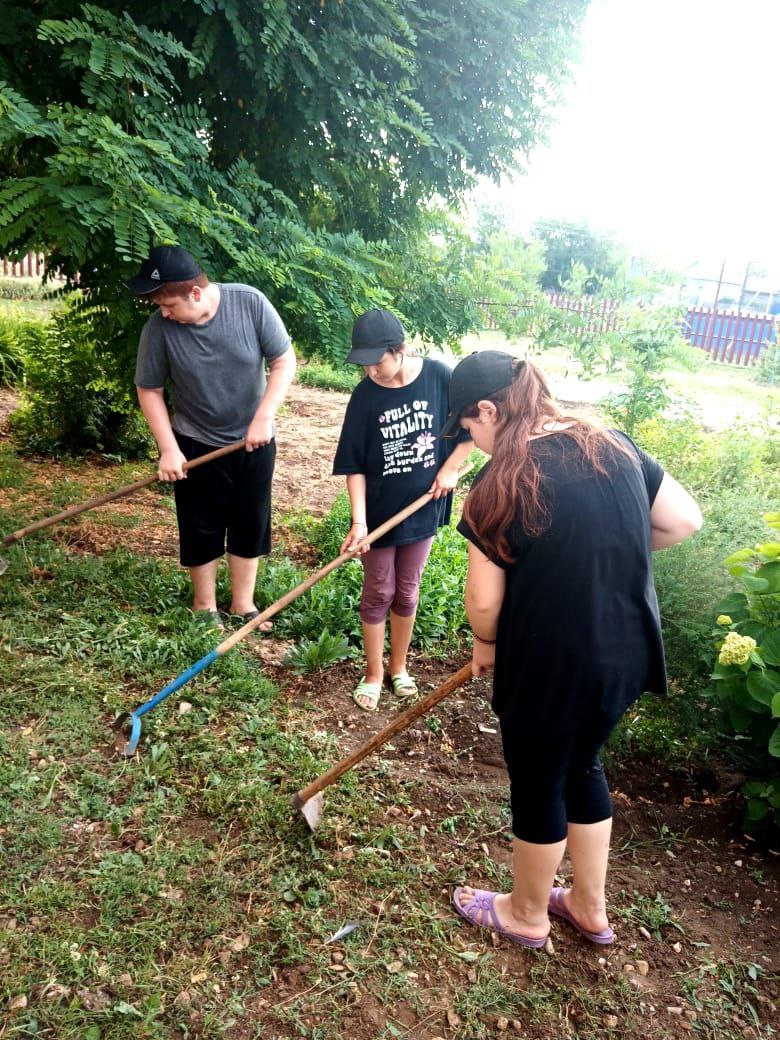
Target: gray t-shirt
(216, 370)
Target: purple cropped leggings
(391, 580)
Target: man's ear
(196, 293)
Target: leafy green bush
(325, 376)
(747, 673)
(689, 577)
(74, 401)
(21, 337)
(647, 340)
(768, 368)
(311, 654)
(441, 615)
(328, 533)
(734, 476)
(709, 463)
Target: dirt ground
(677, 836)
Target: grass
(177, 895)
(325, 376)
(26, 297)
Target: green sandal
(370, 690)
(404, 685)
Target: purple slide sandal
(484, 901)
(558, 907)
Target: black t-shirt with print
(391, 434)
(579, 628)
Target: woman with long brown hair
(560, 597)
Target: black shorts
(224, 504)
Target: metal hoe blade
(309, 799)
(3, 565)
(312, 810)
(130, 742)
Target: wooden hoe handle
(119, 493)
(402, 722)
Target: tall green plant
(642, 347)
(19, 338)
(73, 399)
(747, 673)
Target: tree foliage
(293, 146)
(572, 250)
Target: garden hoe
(309, 799)
(133, 719)
(93, 503)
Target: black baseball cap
(476, 378)
(373, 334)
(165, 264)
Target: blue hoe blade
(176, 684)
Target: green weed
(325, 376)
(310, 654)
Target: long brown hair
(512, 485)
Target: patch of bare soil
(307, 434)
(8, 403)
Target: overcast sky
(670, 135)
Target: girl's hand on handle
(446, 481)
(356, 533)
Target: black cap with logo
(476, 378)
(373, 334)
(165, 264)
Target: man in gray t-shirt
(211, 342)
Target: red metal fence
(728, 336)
(595, 316)
(31, 266)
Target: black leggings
(555, 778)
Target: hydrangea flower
(736, 649)
(723, 619)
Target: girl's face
(384, 372)
(482, 427)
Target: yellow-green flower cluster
(723, 619)
(736, 649)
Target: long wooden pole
(93, 503)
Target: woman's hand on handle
(483, 657)
(447, 478)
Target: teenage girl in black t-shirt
(560, 597)
(391, 452)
